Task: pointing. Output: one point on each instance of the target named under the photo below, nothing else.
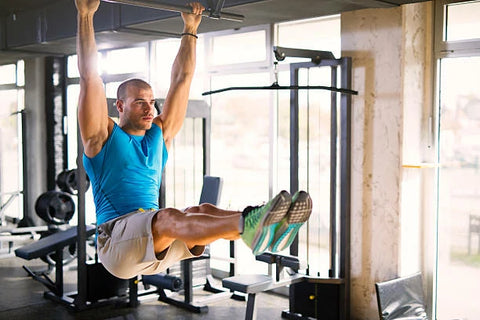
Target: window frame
(449, 49)
(441, 49)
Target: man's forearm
(86, 46)
(175, 107)
(184, 64)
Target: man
(124, 163)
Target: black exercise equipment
(316, 56)
(67, 181)
(334, 286)
(315, 298)
(337, 283)
(280, 53)
(210, 12)
(55, 207)
(4, 205)
(69, 252)
(54, 243)
(101, 286)
(251, 284)
(164, 281)
(401, 298)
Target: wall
(386, 57)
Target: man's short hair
(122, 88)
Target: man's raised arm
(92, 105)
(175, 106)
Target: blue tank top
(126, 174)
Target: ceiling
(31, 28)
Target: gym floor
(22, 298)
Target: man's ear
(119, 104)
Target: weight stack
(102, 284)
(318, 300)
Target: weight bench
(53, 243)
(251, 284)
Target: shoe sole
(298, 214)
(279, 207)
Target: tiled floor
(22, 298)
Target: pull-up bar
(275, 86)
(209, 12)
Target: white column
(388, 51)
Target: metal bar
(26, 179)
(187, 280)
(216, 9)
(294, 143)
(281, 53)
(251, 312)
(345, 173)
(210, 13)
(333, 176)
(290, 87)
(7, 203)
(59, 272)
(133, 292)
(81, 298)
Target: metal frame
(444, 48)
(210, 12)
(341, 222)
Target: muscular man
(124, 162)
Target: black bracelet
(189, 34)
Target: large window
(251, 129)
(458, 247)
(11, 170)
(459, 189)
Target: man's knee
(163, 219)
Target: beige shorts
(125, 246)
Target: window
(312, 34)
(458, 216)
(462, 22)
(459, 191)
(8, 74)
(11, 159)
(242, 47)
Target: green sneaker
(259, 222)
(287, 229)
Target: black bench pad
(254, 283)
(53, 242)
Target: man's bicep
(93, 112)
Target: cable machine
(326, 297)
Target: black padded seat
(53, 242)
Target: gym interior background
(415, 127)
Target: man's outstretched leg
(150, 242)
(256, 225)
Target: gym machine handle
(176, 8)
